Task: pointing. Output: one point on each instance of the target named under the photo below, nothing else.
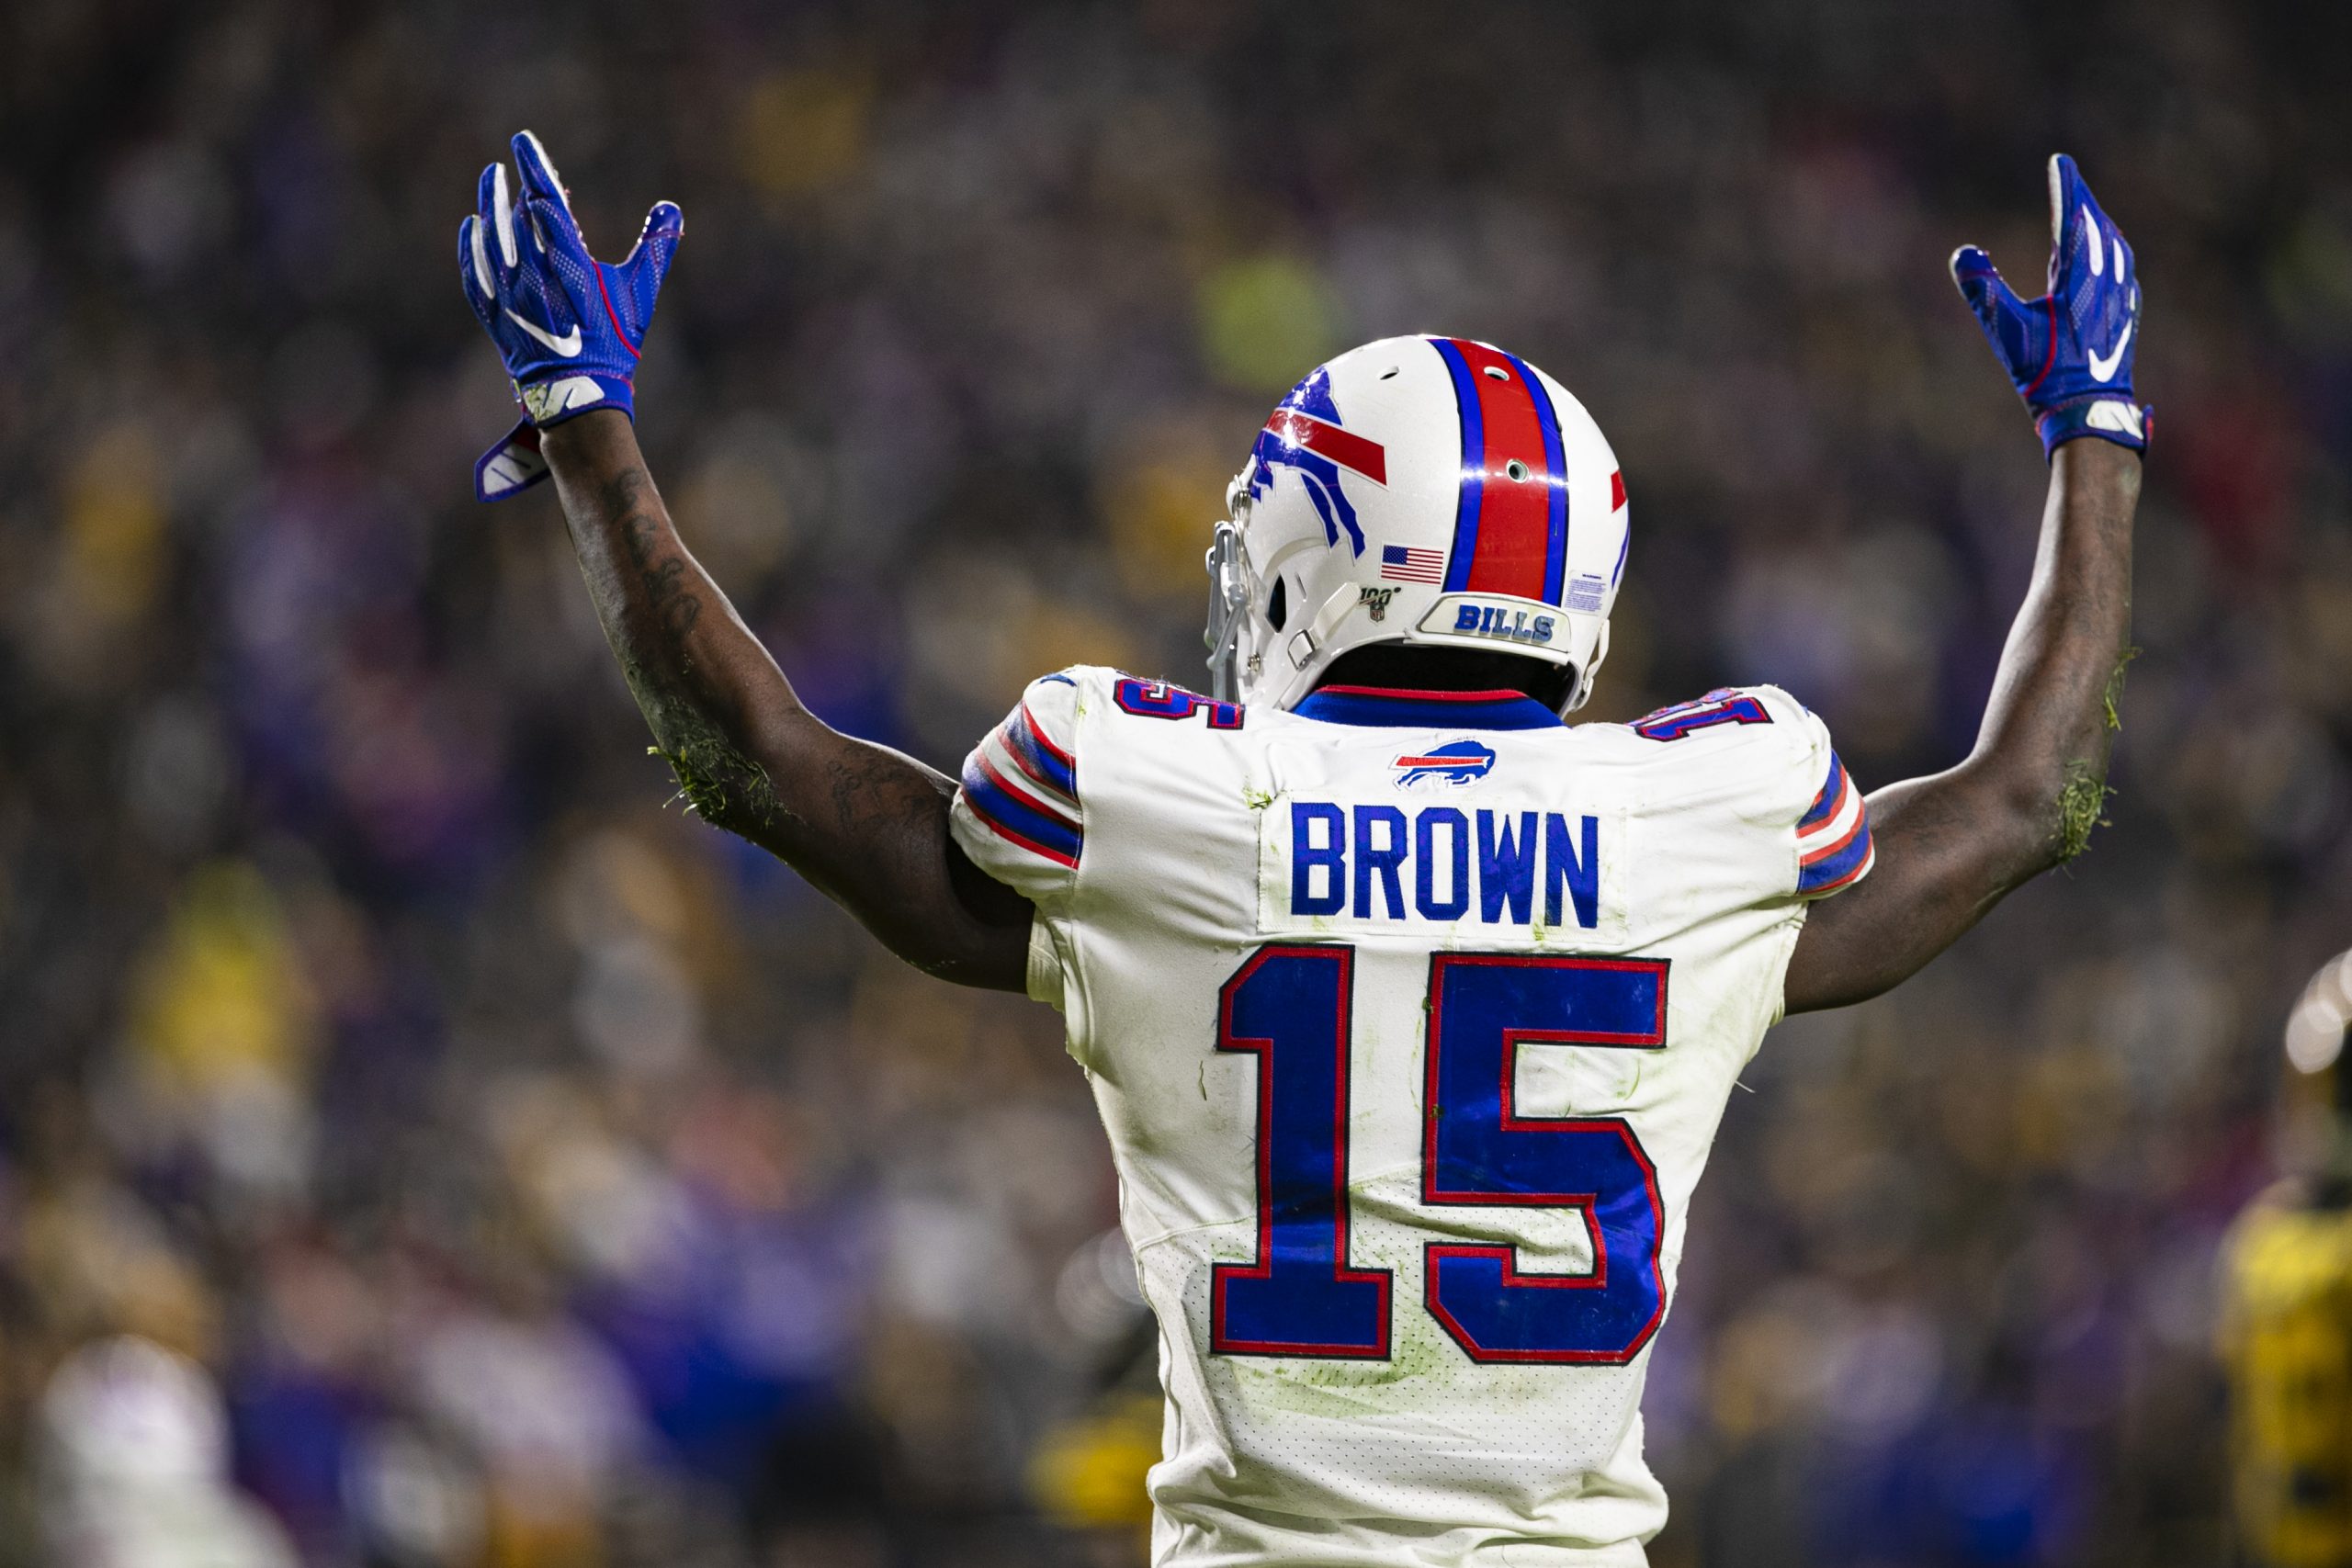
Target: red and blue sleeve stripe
(1040, 758)
(1024, 788)
(1834, 849)
(1830, 801)
(1018, 817)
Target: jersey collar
(1384, 707)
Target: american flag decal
(1398, 564)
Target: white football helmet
(1418, 490)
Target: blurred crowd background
(423, 1145)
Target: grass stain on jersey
(1330, 1389)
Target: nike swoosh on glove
(569, 326)
(2069, 352)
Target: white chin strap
(1582, 691)
(1229, 606)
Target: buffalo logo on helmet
(1453, 765)
(1304, 433)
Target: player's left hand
(2069, 353)
(568, 327)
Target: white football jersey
(1411, 1017)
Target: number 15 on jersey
(1292, 1007)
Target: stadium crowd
(423, 1147)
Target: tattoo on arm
(864, 823)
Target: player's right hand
(569, 328)
(2069, 353)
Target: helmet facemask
(1229, 598)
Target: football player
(2286, 1311)
(1410, 1008)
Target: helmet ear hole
(1278, 604)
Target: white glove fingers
(485, 291)
(531, 232)
(503, 214)
(486, 200)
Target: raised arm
(1952, 845)
(867, 824)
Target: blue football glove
(568, 327)
(2069, 352)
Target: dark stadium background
(540, 1179)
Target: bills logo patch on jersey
(1451, 765)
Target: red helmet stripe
(1344, 447)
(1508, 533)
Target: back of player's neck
(1410, 670)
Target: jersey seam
(1359, 1185)
(1795, 926)
(1078, 1032)
(1168, 1235)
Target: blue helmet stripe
(1474, 467)
(1555, 550)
